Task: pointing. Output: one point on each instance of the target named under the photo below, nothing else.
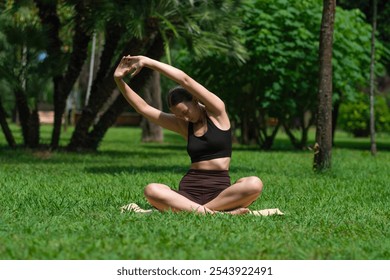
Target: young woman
(200, 117)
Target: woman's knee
(153, 191)
(254, 184)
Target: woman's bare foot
(238, 211)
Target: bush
(355, 115)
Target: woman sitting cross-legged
(201, 118)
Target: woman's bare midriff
(212, 164)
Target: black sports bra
(215, 143)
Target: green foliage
(6, 94)
(66, 206)
(383, 19)
(355, 115)
(280, 76)
(206, 28)
(22, 66)
(351, 54)
(282, 38)
(195, 24)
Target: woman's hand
(129, 64)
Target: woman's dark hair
(178, 95)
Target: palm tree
(148, 28)
(69, 65)
(20, 67)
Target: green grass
(66, 206)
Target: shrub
(355, 115)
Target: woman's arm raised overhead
(213, 103)
(168, 121)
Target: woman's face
(188, 111)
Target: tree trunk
(102, 87)
(4, 125)
(29, 120)
(109, 117)
(372, 81)
(23, 113)
(304, 123)
(323, 146)
(91, 68)
(294, 141)
(249, 125)
(30, 125)
(81, 39)
(152, 95)
(85, 140)
(269, 139)
(33, 129)
(63, 83)
(155, 51)
(47, 11)
(244, 129)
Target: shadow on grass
(150, 168)
(174, 169)
(159, 151)
(361, 144)
(23, 156)
(284, 145)
(280, 145)
(170, 147)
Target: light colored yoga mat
(133, 207)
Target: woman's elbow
(184, 80)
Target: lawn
(66, 205)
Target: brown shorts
(202, 186)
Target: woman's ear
(195, 101)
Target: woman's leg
(164, 199)
(239, 195)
